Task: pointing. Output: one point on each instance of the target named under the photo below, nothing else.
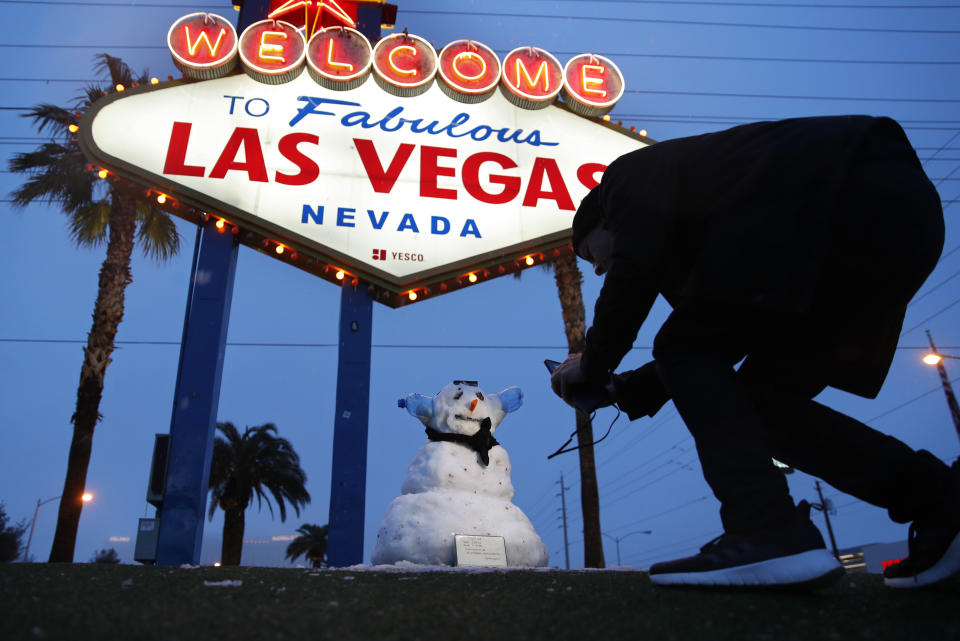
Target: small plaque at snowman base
(480, 551)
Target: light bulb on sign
(412, 295)
(529, 260)
(72, 128)
(340, 274)
(119, 87)
(220, 224)
(103, 173)
(279, 249)
(472, 277)
(161, 198)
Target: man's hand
(567, 377)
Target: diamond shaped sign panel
(400, 191)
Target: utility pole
(947, 388)
(563, 509)
(826, 515)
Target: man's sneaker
(934, 546)
(790, 556)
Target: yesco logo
(381, 254)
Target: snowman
(458, 483)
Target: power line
(679, 3)
(934, 288)
(692, 23)
(719, 94)
(929, 318)
(771, 5)
(148, 342)
(542, 16)
(645, 519)
(912, 400)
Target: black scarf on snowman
(481, 442)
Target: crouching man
(793, 247)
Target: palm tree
(311, 544)
(244, 466)
(98, 212)
(105, 556)
(569, 278)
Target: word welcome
(206, 46)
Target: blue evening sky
(690, 67)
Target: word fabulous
(206, 46)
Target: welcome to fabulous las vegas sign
(448, 168)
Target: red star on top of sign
(310, 14)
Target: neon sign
(532, 77)
(313, 14)
(203, 45)
(272, 51)
(469, 71)
(592, 84)
(404, 64)
(339, 57)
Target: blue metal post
(197, 396)
(349, 475)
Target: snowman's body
(449, 490)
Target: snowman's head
(461, 406)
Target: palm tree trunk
(569, 279)
(107, 314)
(232, 546)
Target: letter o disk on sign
(205, 46)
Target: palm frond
(257, 464)
(89, 225)
(311, 543)
(157, 233)
(118, 71)
(51, 117)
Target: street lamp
(936, 359)
(86, 497)
(618, 539)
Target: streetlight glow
(932, 358)
(86, 497)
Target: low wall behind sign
(411, 192)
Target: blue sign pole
(349, 471)
(197, 396)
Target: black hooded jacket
(748, 216)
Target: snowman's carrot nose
(473, 405)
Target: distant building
(872, 557)
(265, 551)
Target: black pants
(885, 244)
